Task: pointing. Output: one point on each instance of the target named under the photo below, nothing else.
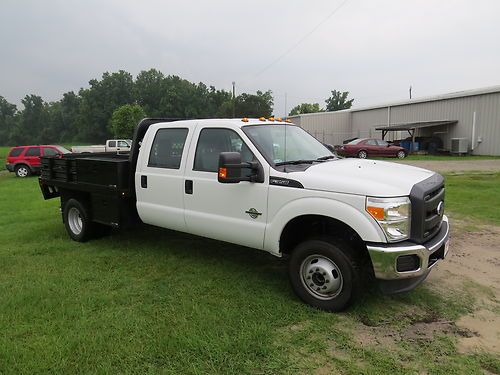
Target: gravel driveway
(441, 166)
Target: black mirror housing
(231, 167)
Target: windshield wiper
(294, 162)
(328, 157)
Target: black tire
(401, 154)
(79, 228)
(362, 154)
(309, 277)
(22, 170)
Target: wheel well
(303, 227)
(80, 196)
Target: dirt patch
(475, 258)
(442, 166)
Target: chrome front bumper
(385, 256)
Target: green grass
(451, 158)
(157, 301)
(474, 196)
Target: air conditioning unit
(459, 145)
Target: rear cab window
(167, 148)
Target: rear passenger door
(159, 178)
(32, 157)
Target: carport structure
(410, 127)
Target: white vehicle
(112, 145)
(267, 185)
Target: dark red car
(368, 147)
(25, 160)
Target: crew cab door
(234, 213)
(159, 178)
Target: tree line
(112, 105)
(86, 116)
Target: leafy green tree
(305, 108)
(100, 100)
(124, 120)
(249, 105)
(338, 101)
(7, 120)
(32, 124)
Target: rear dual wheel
(78, 223)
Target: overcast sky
(374, 49)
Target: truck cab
(269, 185)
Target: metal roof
(416, 125)
(451, 95)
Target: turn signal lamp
(244, 119)
(377, 212)
(222, 173)
(262, 118)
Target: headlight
(393, 215)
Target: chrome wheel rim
(401, 154)
(75, 221)
(22, 172)
(321, 277)
(362, 155)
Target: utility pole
(286, 113)
(234, 100)
(410, 91)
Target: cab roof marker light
(244, 119)
(262, 118)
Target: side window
(371, 142)
(122, 144)
(47, 151)
(212, 142)
(166, 151)
(112, 144)
(32, 151)
(382, 143)
(16, 151)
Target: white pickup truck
(267, 185)
(112, 145)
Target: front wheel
(323, 274)
(401, 154)
(362, 154)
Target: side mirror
(232, 170)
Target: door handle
(144, 182)
(188, 186)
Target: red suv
(25, 160)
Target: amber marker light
(271, 119)
(287, 120)
(222, 172)
(262, 118)
(377, 212)
(244, 119)
(279, 119)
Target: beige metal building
(472, 116)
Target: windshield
(300, 145)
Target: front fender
(363, 225)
